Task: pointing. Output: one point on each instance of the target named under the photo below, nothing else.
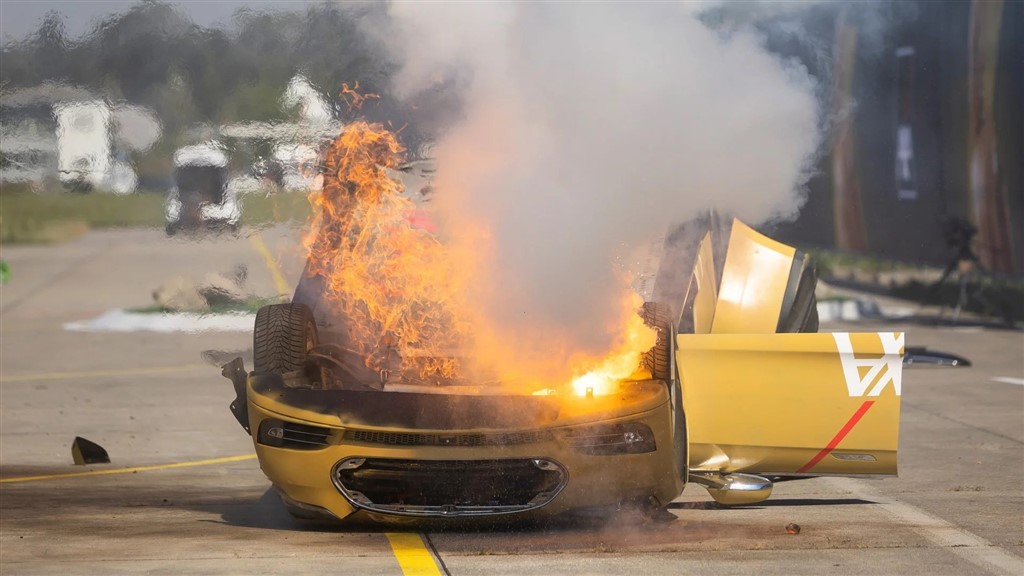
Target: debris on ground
(221, 357)
(217, 290)
(792, 528)
(86, 452)
(180, 295)
(221, 290)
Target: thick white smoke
(588, 129)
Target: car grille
(475, 439)
(449, 487)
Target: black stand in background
(959, 234)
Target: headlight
(610, 439)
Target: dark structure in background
(923, 99)
(927, 109)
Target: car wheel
(282, 337)
(658, 359)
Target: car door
(792, 404)
(763, 401)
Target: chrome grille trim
(407, 487)
(454, 439)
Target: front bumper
(399, 470)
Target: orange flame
(394, 283)
(621, 363)
(401, 290)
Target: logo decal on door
(868, 376)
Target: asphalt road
(183, 493)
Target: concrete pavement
(156, 400)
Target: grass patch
(829, 263)
(996, 298)
(991, 296)
(35, 232)
(269, 208)
(25, 217)
(30, 218)
(836, 298)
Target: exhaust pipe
(733, 489)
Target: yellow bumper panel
(305, 475)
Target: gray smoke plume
(587, 130)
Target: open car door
(763, 392)
(792, 404)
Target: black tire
(282, 336)
(658, 359)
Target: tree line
(190, 75)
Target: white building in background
(83, 143)
(89, 133)
(299, 157)
(89, 145)
(296, 145)
(313, 107)
(299, 162)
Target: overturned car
(739, 391)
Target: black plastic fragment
(921, 355)
(235, 371)
(85, 452)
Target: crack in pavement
(960, 422)
(40, 287)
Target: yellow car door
(792, 404)
(760, 401)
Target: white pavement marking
(964, 544)
(1009, 380)
(124, 321)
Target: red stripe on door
(839, 436)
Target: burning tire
(282, 337)
(658, 359)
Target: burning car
(738, 391)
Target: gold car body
(537, 428)
(745, 400)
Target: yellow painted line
(102, 373)
(275, 271)
(130, 470)
(412, 554)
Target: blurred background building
(927, 128)
(922, 118)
